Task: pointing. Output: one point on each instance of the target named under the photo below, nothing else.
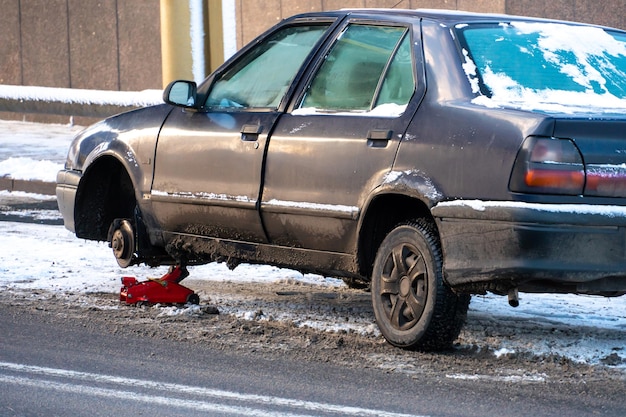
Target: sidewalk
(31, 154)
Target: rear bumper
(545, 247)
(67, 185)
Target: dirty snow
(34, 257)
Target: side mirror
(181, 93)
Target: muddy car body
(383, 147)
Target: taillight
(548, 166)
(606, 180)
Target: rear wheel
(413, 306)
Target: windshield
(546, 66)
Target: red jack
(166, 289)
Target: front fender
(128, 137)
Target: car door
(209, 160)
(339, 140)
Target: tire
(414, 308)
(193, 299)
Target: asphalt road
(53, 364)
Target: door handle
(250, 133)
(378, 138)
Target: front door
(209, 162)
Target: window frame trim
(205, 88)
(412, 29)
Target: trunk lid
(602, 143)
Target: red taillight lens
(548, 166)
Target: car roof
(443, 16)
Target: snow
(79, 96)
(197, 35)
(35, 257)
(470, 69)
(481, 205)
(313, 206)
(205, 196)
(589, 47)
(383, 110)
(25, 168)
(229, 19)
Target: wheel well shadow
(383, 214)
(105, 193)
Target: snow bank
(80, 96)
(33, 151)
(28, 169)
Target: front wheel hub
(123, 243)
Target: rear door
(340, 137)
(209, 163)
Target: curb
(28, 186)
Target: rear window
(546, 65)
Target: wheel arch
(107, 190)
(383, 213)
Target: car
(423, 155)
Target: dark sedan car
(426, 155)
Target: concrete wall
(255, 16)
(95, 44)
(92, 44)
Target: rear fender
(412, 183)
(400, 196)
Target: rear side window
(399, 83)
(261, 78)
(368, 66)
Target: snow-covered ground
(33, 257)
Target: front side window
(367, 67)
(261, 78)
(546, 65)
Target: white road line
(308, 406)
(151, 399)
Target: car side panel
(466, 150)
(318, 168)
(208, 172)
